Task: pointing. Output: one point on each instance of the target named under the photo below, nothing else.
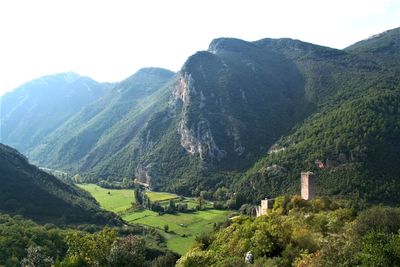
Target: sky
(109, 40)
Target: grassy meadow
(161, 196)
(182, 227)
(116, 200)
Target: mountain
(28, 191)
(227, 106)
(232, 103)
(292, 104)
(382, 48)
(37, 108)
(352, 143)
(105, 127)
(249, 116)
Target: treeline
(300, 233)
(170, 206)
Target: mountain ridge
(213, 123)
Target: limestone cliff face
(199, 140)
(196, 138)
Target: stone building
(307, 185)
(307, 193)
(266, 204)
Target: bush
(128, 251)
(156, 206)
(166, 228)
(182, 207)
(378, 219)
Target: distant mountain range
(246, 115)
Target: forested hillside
(352, 144)
(26, 190)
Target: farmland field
(182, 227)
(116, 200)
(161, 196)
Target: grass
(183, 227)
(116, 200)
(132, 217)
(161, 196)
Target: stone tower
(266, 204)
(307, 185)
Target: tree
(156, 206)
(171, 208)
(36, 258)
(129, 251)
(221, 193)
(201, 202)
(380, 249)
(231, 203)
(93, 249)
(138, 194)
(147, 201)
(182, 207)
(166, 228)
(378, 219)
(205, 194)
(166, 260)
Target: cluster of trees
(301, 233)
(143, 201)
(125, 183)
(104, 248)
(25, 243)
(171, 207)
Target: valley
(168, 168)
(182, 227)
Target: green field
(116, 200)
(183, 227)
(161, 196)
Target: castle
(307, 193)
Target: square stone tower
(266, 204)
(307, 185)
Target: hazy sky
(110, 40)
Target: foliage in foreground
(25, 243)
(304, 233)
